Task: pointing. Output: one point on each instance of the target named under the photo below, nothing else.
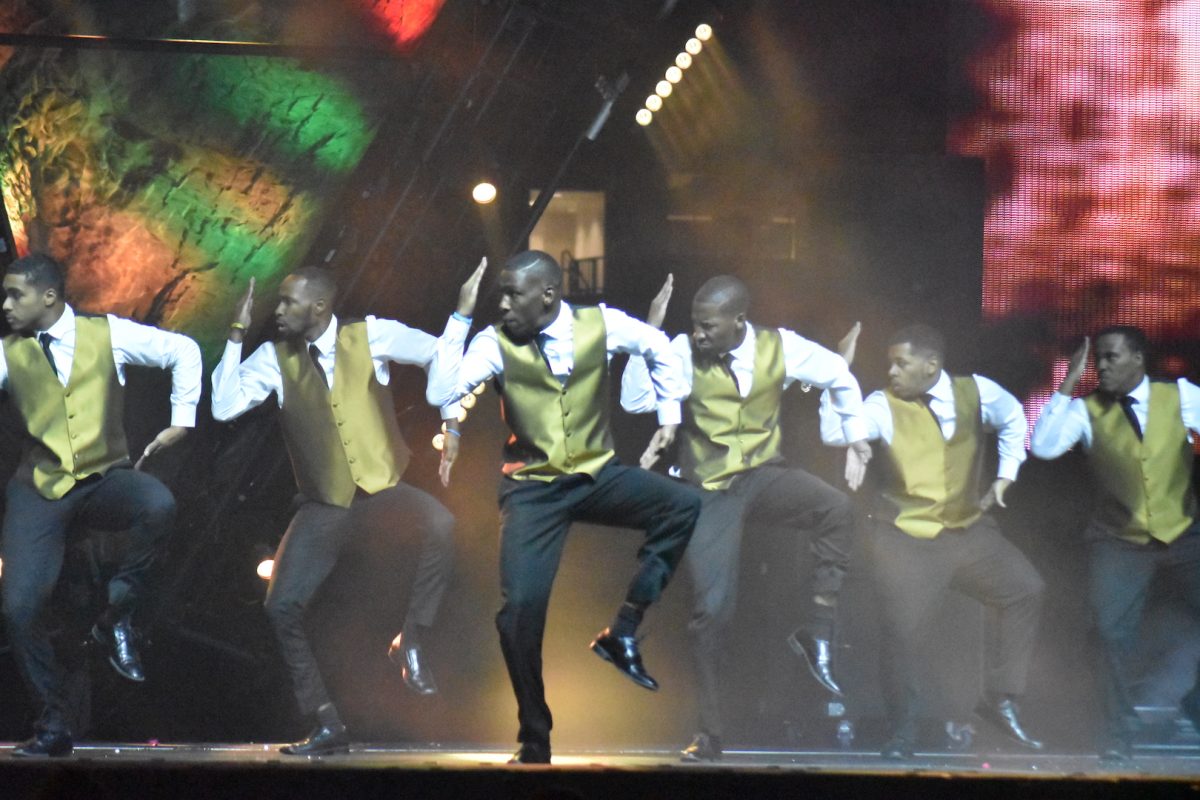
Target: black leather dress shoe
(702, 748)
(531, 753)
(818, 655)
(622, 653)
(121, 641)
(45, 744)
(898, 748)
(1003, 714)
(1116, 749)
(324, 740)
(416, 675)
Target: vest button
(351, 460)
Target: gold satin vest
(557, 428)
(725, 434)
(934, 483)
(75, 430)
(1145, 484)
(342, 438)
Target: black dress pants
(767, 496)
(34, 542)
(534, 519)
(310, 549)
(912, 575)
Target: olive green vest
(344, 438)
(557, 428)
(723, 433)
(75, 430)
(934, 482)
(1145, 484)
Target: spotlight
(266, 568)
(674, 74)
(693, 46)
(663, 89)
(704, 32)
(683, 60)
(644, 116)
(439, 441)
(483, 193)
(654, 102)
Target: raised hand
(469, 293)
(662, 439)
(658, 306)
(849, 343)
(1078, 364)
(242, 314)
(450, 442)
(166, 438)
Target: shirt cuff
(451, 410)
(460, 317)
(669, 412)
(854, 429)
(1008, 468)
(183, 415)
(1057, 400)
(457, 327)
(233, 348)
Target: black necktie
(315, 353)
(727, 362)
(1127, 404)
(927, 400)
(45, 340)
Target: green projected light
(300, 113)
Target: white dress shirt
(625, 334)
(803, 360)
(1064, 421)
(239, 386)
(1000, 411)
(139, 345)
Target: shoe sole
(600, 651)
(801, 651)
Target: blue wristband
(461, 318)
(456, 433)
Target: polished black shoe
(818, 655)
(1003, 714)
(531, 753)
(898, 748)
(416, 675)
(702, 748)
(323, 741)
(121, 641)
(45, 744)
(1115, 749)
(622, 653)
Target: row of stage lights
(674, 74)
(266, 564)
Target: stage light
(663, 89)
(483, 193)
(654, 102)
(683, 60)
(644, 116)
(266, 568)
(674, 74)
(439, 441)
(704, 31)
(693, 46)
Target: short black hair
(727, 293)
(922, 338)
(1135, 337)
(320, 279)
(41, 270)
(540, 263)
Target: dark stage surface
(258, 770)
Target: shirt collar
(745, 350)
(62, 326)
(326, 341)
(943, 389)
(1141, 392)
(561, 328)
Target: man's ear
(50, 297)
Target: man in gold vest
(330, 378)
(932, 530)
(731, 448)
(1137, 436)
(550, 363)
(65, 375)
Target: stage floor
(259, 771)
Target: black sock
(629, 616)
(327, 715)
(819, 621)
(411, 633)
